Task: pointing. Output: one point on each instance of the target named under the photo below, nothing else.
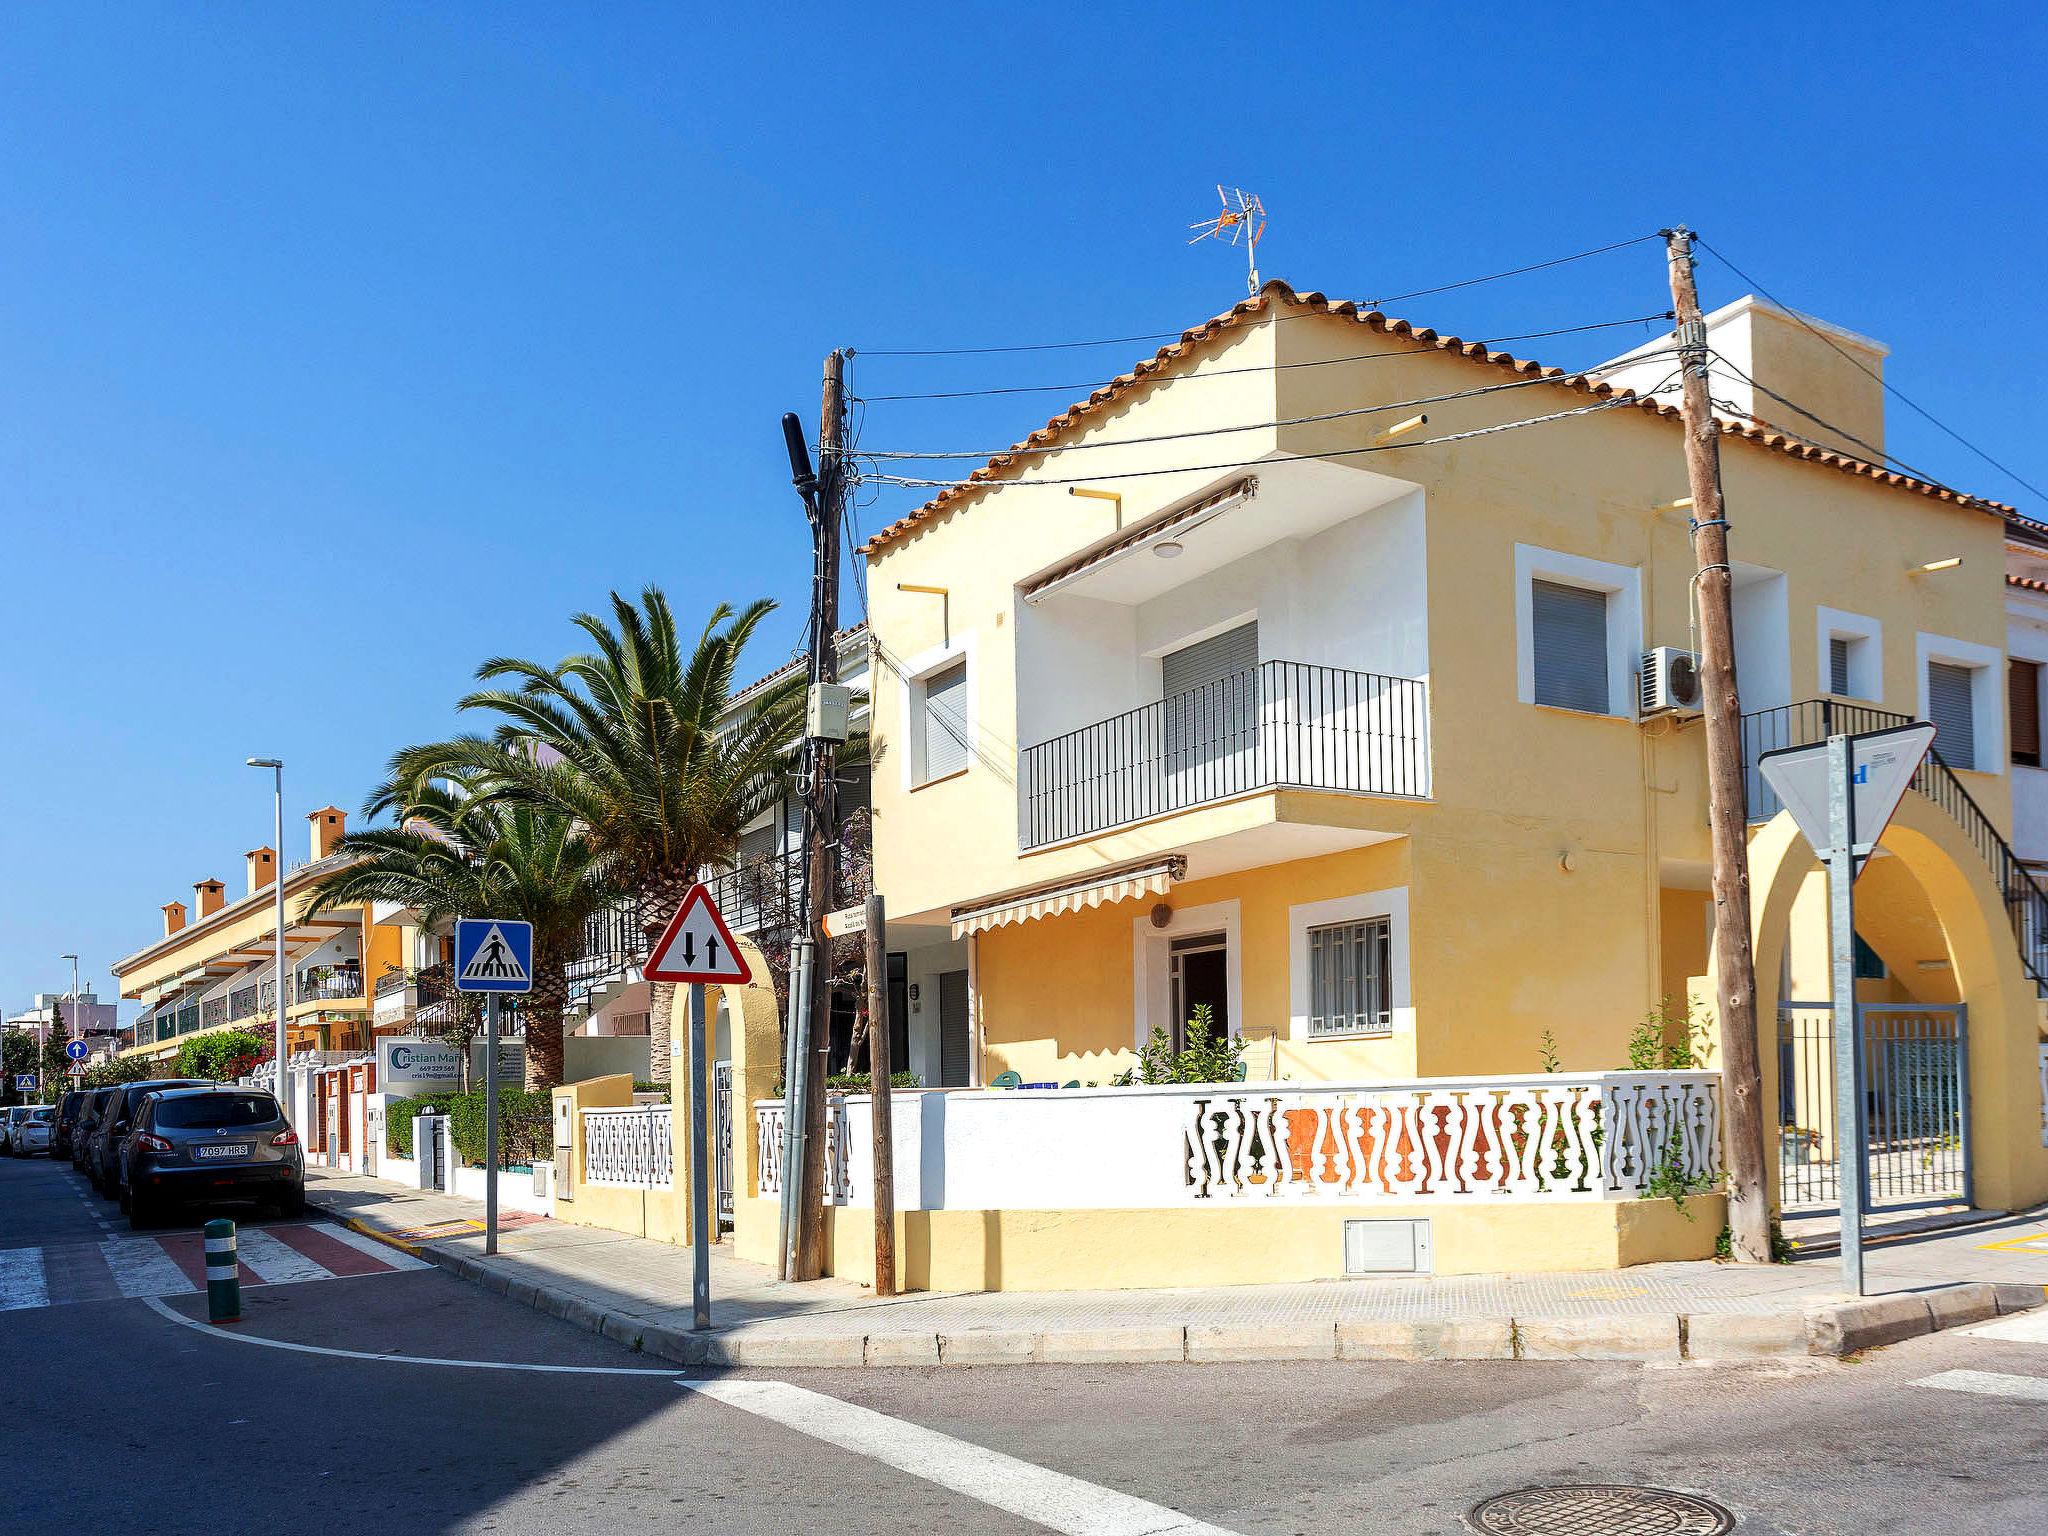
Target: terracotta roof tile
(2026, 583)
(1277, 294)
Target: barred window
(1348, 965)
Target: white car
(28, 1129)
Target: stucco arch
(2005, 1013)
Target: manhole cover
(1600, 1509)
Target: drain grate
(1600, 1509)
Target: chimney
(174, 917)
(211, 896)
(329, 822)
(262, 868)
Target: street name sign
(846, 922)
(77, 1050)
(1881, 766)
(696, 946)
(493, 954)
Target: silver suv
(193, 1145)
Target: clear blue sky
(343, 345)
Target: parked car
(15, 1114)
(104, 1165)
(31, 1133)
(219, 1142)
(66, 1121)
(88, 1119)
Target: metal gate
(721, 1138)
(1916, 1106)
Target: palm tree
(639, 744)
(456, 852)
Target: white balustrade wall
(629, 1147)
(1550, 1136)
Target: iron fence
(1282, 724)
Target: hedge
(526, 1124)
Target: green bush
(223, 1057)
(1209, 1057)
(526, 1124)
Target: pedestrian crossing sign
(493, 954)
(696, 946)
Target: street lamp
(276, 767)
(71, 1018)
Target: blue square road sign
(493, 954)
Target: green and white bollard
(223, 1273)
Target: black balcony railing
(1282, 724)
(1815, 720)
(761, 894)
(322, 983)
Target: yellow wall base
(1251, 1245)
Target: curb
(1823, 1329)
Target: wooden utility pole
(1742, 1091)
(813, 1012)
(881, 1064)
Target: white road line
(2020, 1328)
(1051, 1499)
(21, 1279)
(1990, 1384)
(142, 1268)
(396, 1258)
(359, 1354)
(274, 1261)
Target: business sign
(406, 1065)
(493, 954)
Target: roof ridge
(1314, 302)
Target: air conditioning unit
(1670, 680)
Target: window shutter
(1568, 631)
(761, 843)
(2023, 700)
(1209, 661)
(1950, 707)
(1838, 664)
(945, 721)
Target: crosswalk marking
(21, 1279)
(2019, 1328)
(172, 1264)
(2032, 1389)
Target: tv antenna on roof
(1242, 222)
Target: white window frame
(1390, 904)
(1866, 654)
(915, 672)
(1623, 585)
(1987, 692)
(1152, 965)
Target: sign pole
(700, 1171)
(1841, 863)
(490, 1124)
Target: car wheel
(292, 1202)
(127, 1201)
(141, 1214)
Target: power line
(1217, 373)
(1254, 426)
(1278, 458)
(1890, 388)
(1118, 341)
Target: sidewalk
(638, 1292)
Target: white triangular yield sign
(495, 960)
(696, 945)
(1881, 766)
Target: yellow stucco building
(1328, 674)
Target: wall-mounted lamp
(1168, 549)
(1932, 566)
(1400, 427)
(945, 597)
(1682, 504)
(1115, 497)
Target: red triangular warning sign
(696, 945)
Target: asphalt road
(115, 1412)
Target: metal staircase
(1814, 720)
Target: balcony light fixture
(1933, 567)
(1168, 549)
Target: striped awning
(1150, 879)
